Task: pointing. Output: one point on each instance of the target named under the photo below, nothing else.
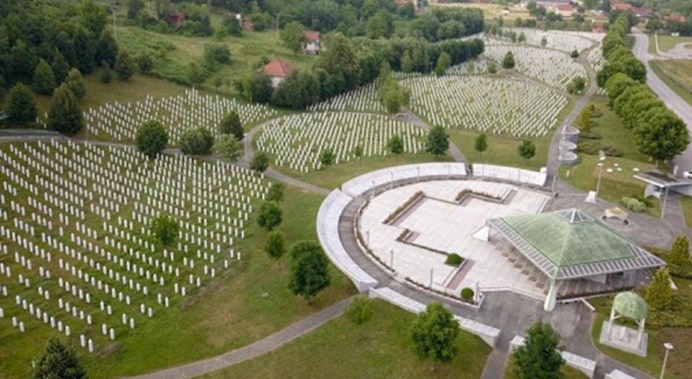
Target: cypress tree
(64, 115)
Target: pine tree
(659, 295)
(75, 83)
(124, 66)
(44, 80)
(22, 106)
(680, 251)
(60, 67)
(508, 61)
(107, 49)
(58, 361)
(64, 114)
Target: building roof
(278, 68)
(662, 179)
(312, 35)
(564, 7)
(569, 244)
(620, 6)
(631, 305)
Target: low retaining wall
(487, 333)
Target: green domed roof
(631, 305)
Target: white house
(312, 42)
(278, 70)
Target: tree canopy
(540, 356)
(165, 229)
(438, 141)
(434, 334)
(151, 138)
(64, 114)
(58, 361)
(309, 270)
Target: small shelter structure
(577, 253)
(632, 306)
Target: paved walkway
(253, 350)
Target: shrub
(589, 135)
(633, 204)
(611, 151)
(589, 147)
(467, 295)
(196, 141)
(269, 215)
(151, 138)
(454, 259)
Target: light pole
(601, 160)
(669, 347)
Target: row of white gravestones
(77, 238)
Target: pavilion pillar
(610, 322)
(551, 299)
(641, 332)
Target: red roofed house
(312, 43)
(642, 13)
(675, 18)
(564, 10)
(177, 19)
(598, 27)
(625, 7)
(278, 70)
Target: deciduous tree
(124, 66)
(438, 141)
(260, 162)
(396, 145)
(481, 144)
(75, 83)
(22, 106)
(231, 125)
(275, 244)
(269, 215)
(309, 270)
(151, 138)
(293, 36)
(434, 334)
(360, 310)
(44, 80)
(196, 141)
(228, 147)
(527, 149)
(539, 357)
(165, 229)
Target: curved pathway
(253, 350)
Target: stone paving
(439, 223)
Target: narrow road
(672, 100)
(253, 350)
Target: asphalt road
(672, 100)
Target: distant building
(625, 7)
(564, 10)
(312, 43)
(675, 18)
(177, 19)
(598, 27)
(643, 13)
(278, 70)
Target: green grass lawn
(620, 181)
(666, 43)
(380, 348)
(686, 203)
(676, 75)
(173, 53)
(567, 371)
(501, 150)
(248, 302)
(335, 175)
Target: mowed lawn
(335, 175)
(381, 348)
(666, 43)
(502, 150)
(619, 182)
(675, 74)
(248, 302)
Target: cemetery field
(173, 53)
(298, 141)
(567, 371)
(116, 121)
(336, 175)
(77, 258)
(675, 74)
(501, 150)
(380, 348)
